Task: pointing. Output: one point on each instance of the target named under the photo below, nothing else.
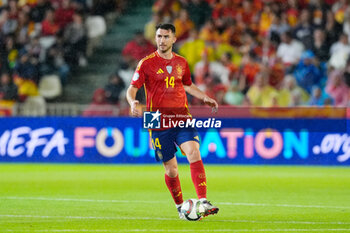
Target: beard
(166, 49)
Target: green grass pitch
(124, 198)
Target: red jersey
(163, 80)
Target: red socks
(174, 188)
(199, 179)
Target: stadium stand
(50, 37)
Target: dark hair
(166, 26)
(289, 34)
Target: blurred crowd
(45, 37)
(262, 53)
(257, 52)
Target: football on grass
(193, 209)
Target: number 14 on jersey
(170, 81)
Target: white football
(193, 209)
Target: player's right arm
(131, 97)
(137, 81)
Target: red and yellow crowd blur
(263, 53)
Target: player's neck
(167, 55)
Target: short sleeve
(186, 79)
(138, 79)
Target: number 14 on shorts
(156, 144)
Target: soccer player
(166, 78)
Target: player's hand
(134, 111)
(212, 103)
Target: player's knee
(171, 171)
(193, 155)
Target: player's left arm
(193, 90)
(196, 92)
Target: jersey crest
(169, 69)
(179, 70)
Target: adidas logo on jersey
(160, 71)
